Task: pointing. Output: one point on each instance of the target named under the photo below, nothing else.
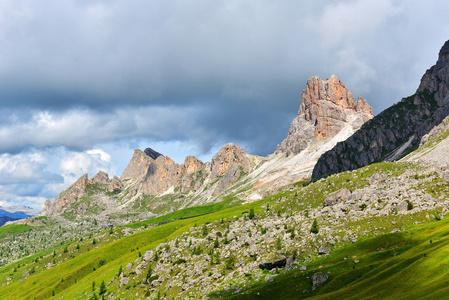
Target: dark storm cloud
(78, 73)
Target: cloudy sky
(84, 82)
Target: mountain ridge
(327, 114)
(398, 129)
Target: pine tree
(102, 288)
(149, 273)
(251, 213)
(120, 271)
(314, 228)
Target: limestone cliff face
(137, 167)
(326, 108)
(115, 184)
(101, 177)
(227, 166)
(70, 195)
(161, 174)
(78, 190)
(396, 129)
(192, 164)
(46, 207)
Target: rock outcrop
(391, 134)
(161, 174)
(227, 165)
(101, 178)
(327, 107)
(192, 164)
(152, 153)
(137, 166)
(115, 184)
(69, 196)
(46, 207)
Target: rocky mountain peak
(152, 153)
(70, 195)
(192, 164)
(228, 164)
(327, 107)
(100, 177)
(396, 130)
(331, 89)
(137, 166)
(436, 79)
(444, 53)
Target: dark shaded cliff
(398, 129)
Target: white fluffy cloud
(32, 177)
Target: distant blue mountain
(4, 219)
(17, 214)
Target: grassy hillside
(77, 265)
(404, 265)
(387, 239)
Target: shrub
(230, 262)
(314, 228)
(102, 262)
(409, 205)
(251, 213)
(179, 261)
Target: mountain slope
(396, 130)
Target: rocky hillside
(434, 146)
(398, 129)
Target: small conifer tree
(314, 228)
(102, 288)
(149, 273)
(251, 213)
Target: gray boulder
(337, 197)
(318, 279)
(324, 250)
(279, 263)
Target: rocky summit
(327, 108)
(397, 130)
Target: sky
(84, 83)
